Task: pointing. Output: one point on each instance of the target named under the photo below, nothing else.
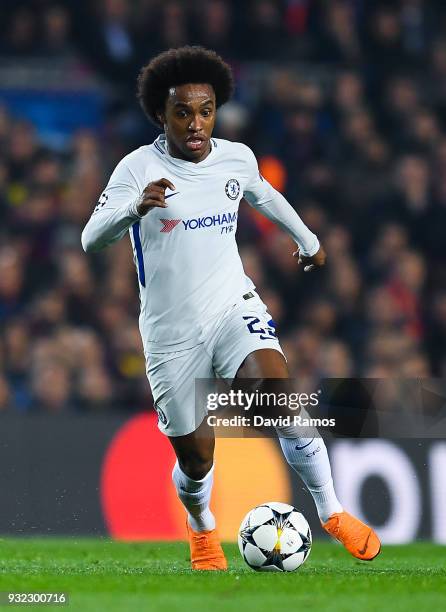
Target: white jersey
(187, 259)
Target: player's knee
(196, 466)
(264, 363)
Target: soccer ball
(274, 537)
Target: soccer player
(200, 314)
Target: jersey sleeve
(115, 211)
(261, 195)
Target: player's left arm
(267, 200)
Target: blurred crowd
(347, 119)
(117, 36)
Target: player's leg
(193, 477)
(172, 380)
(309, 458)
(248, 348)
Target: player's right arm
(121, 204)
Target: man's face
(189, 120)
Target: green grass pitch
(102, 575)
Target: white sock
(309, 458)
(195, 496)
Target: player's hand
(153, 196)
(310, 263)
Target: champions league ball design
(274, 537)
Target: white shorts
(242, 329)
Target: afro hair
(177, 67)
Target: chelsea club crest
(232, 189)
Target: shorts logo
(161, 416)
(168, 225)
(232, 189)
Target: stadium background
(344, 103)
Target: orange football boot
(206, 552)
(358, 538)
